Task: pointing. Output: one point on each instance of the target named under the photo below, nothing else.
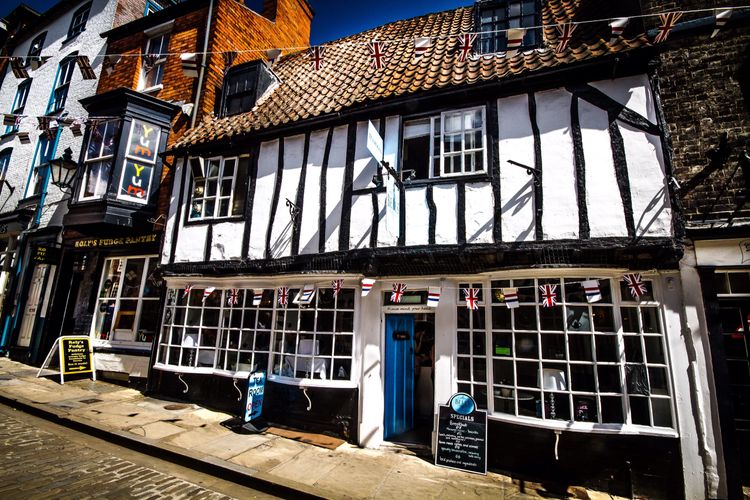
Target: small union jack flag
(377, 53)
(618, 27)
(549, 295)
(433, 296)
(668, 21)
(397, 293)
(566, 33)
(207, 292)
(367, 284)
(316, 57)
(87, 72)
(421, 46)
(16, 64)
(465, 46)
(149, 60)
(635, 284)
(511, 297)
(257, 296)
(337, 285)
(44, 122)
(283, 296)
(233, 297)
(721, 20)
(472, 298)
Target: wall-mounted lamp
(63, 170)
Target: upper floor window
(221, 192)
(154, 62)
(240, 91)
(151, 7)
(452, 143)
(62, 83)
(19, 103)
(78, 23)
(35, 49)
(4, 162)
(496, 16)
(99, 159)
(45, 148)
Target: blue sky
(333, 18)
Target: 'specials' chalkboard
(462, 435)
(75, 353)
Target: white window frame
(617, 302)
(139, 307)
(37, 164)
(64, 77)
(216, 198)
(88, 161)
(159, 64)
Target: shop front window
(127, 306)
(224, 330)
(598, 363)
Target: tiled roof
(347, 79)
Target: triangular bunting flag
(16, 64)
(316, 57)
(515, 39)
(592, 291)
(283, 295)
(149, 60)
(87, 72)
(721, 20)
(189, 63)
(397, 292)
(618, 27)
(24, 137)
(377, 54)
(228, 58)
(421, 46)
(668, 21)
(635, 284)
(75, 127)
(465, 46)
(566, 33)
(207, 292)
(433, 296)
(9, 120)
(511, 297)
(367, 284)
(233, 297)
(471, 295)
(337, 285)
(257, 296)
(109, 62)
(44, 122)
(188, 289)
(305, 295)
(549, 295)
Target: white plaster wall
(309, 234)
(174, 202)
(268, 161)
(192, 243)
(226, 240)
(335, 187)
(365, 165)
(648, 185)
(361, 222)
(446, 206)
(445, 335)
(480, 212)
(603, 200)
(370, 339)
(560, 203)
(281, 234)
(633, 92)
(417, 217)
(385, 239)
(516, 142)
(87, 43)
(391, 148)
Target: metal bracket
(179, 376)
(294, 210)
(234, 381)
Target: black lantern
(63, 169)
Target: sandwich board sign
(462, 435)
(256, 385)
(75, 354)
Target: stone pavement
(192, 436)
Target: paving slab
(270, 454)
(195, 438)
(156, 430)
(231, 445)
(362, 475)
(308, 466)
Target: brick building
(145, 101)
(704, 88)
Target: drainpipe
(203, 63)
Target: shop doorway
(409, 368)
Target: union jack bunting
(566, 33)
(721, 20)
(109, 63)
(87, 72)
(433, 296)
(149, 60)
(421, 46)
(233, 297)
(465, 46)
(11, 120)
(515, 39)
(16, 64)
(337, 285)
(257, 296)
(283, 297)
(305, 295)
(316, 57)
(668, 21)
(228, 58)
(635, 284)
(189, 62)
(592, 291)
(24, 137)
(397, 292)
(471, 295)
(207, 292)
(549, 295)
(188, 289)
(44, 122)
(37, 62)
(377, 53)
(75, 127)
(618, 27)
(367, 286)
(511, 297)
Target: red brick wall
(128, 10)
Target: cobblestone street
(41, 460)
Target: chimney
(269, 9)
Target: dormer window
(243, 85)
(496, 16)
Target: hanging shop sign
(140, 159)
(45, 255)
(116, 242)
(75, 356)
(462, 435)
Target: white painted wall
(391, 148)
(361, 221)
(309, 234)
(268, 161)
(372, 403)
(417, 217)
(445, 197)
(335, 187)
(480, 212)
(192, 243)
(174, 202)
(281, 234)
(226, 240)
(86, 43)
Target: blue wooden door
(399, 374)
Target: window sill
(214, 220)
(417, 183)
(308, 382)
(335, 384)
(591, 428)
(152, 90)
(70, 38)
